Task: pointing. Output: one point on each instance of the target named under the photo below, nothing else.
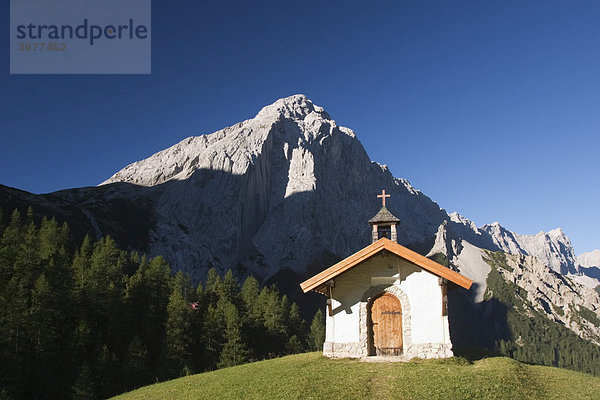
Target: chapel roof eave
(394, 248)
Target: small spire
(384, 222)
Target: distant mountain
(588, 268)
(589, 260)
(287, 193)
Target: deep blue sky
(491, 108)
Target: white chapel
(386, 300)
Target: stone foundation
(357, 350)
(343, 350)
(429, 350)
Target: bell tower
(384, 222)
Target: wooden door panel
(386, 317)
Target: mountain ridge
(552, 247)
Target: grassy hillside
(311, 376)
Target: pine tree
(84, 386)
(81, 263)
(273, 308)
(104, 288)
(296, 331)
(42, 332)
(294, 345)
(296, 325)
(234, 351)
(109, 373)
(137, 368)
(13, 318)
(43, 335)
(183, 283)
(83, 342)
(212, 286)
(213, 333)
(28, 263)
(198, 346)
(9, 247)
(52, 239)
(151, 305)
(52, 317)
(229, 288)
(178, 332)
(106, 267)
(316, 337)
(249, 294)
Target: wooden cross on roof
(382, 196)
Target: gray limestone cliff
(276, 191)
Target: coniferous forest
(89, 320)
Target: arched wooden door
(386, 326)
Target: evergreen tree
(296, 325)
(151, 306)
(42, 331)
(294, 345)
(51, 239)
(249, 294)
(316, 336)
(234, 350)
(81, 263)
(178, 332)
(43, 334)
(198, 346)
(212, 286)
(9, 247)
(229, 288)
(109, 374)
(213, 329)
(84, 386)
(28, 263)
(273, 309)
(83, 342)
(14, 316)
(137, 368)
(183, 283)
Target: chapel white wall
(427, 325)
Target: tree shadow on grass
(476, 328)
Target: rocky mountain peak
(588, 269)
(222, 198)
(296, 107)
(559, 235)
(295, 121)
(589, 260)
(461, 220)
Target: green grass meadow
(312, 376)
